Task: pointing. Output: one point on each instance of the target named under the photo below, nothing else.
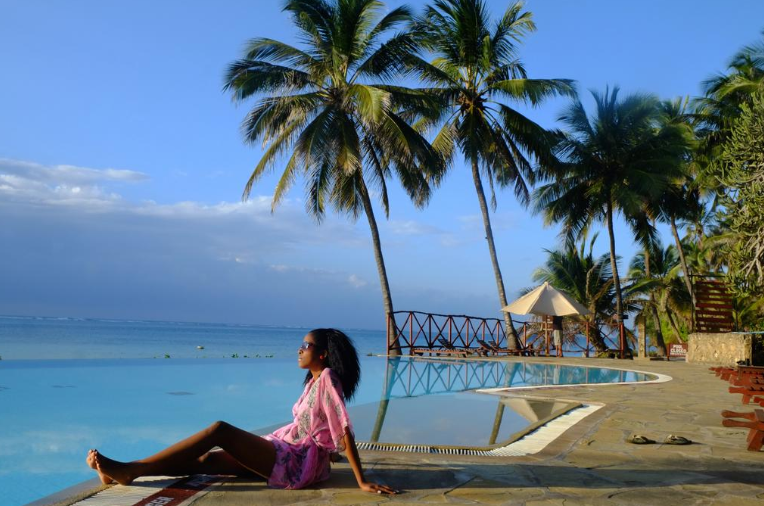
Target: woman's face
(308, 357)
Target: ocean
(44, 338)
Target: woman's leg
(190, 456)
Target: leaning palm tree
(617, 160)
(475, 73)
(684, 198)
(328, 106)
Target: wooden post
(388, 334)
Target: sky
(122, 165)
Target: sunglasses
(306, 345)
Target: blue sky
(122, 165)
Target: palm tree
(327, 104)
(724, 94)
(618, 160)
(587, 279)
(655, 273)
(683, 199)
(474, 73)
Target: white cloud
(67, 173)
(85, 190)
(356, 282)
(411, 227)
(34, 183)
(175, 260)
(499, 221)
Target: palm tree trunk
(386, 297)
(659, 341)
(674, 326)
(614, 266)
(513, 341)
(683, 260)
(496, 424)
(391, 372)
(613, 263)
(595, 336)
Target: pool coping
(660, 378)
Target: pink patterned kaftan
(303, 446)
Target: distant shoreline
(134, 320)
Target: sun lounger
(739, 373)
(753, 421)
(446, 348)
(491, 348)
(750, 393)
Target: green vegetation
(337, 112)
(587, 279)
(475, 72)
(329, 105)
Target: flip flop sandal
(677, 440)
(638, 439)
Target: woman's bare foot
(91, 460)
(111, 469)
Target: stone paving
(591, 463)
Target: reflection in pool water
(52, 411)
(417, 406)
(406, 377)
(448, 420)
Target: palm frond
(533, 91)
(246, 78)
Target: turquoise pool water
(52, 411)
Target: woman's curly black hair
(341, 358)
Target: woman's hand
(375, 488)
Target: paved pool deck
(590, 463)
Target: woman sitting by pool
(294, 456)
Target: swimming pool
(53, 411)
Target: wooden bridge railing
(416, 329)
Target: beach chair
(751, 393)
(739, 373)
(446, 348)
(495, 350)
(488, 349)
(753, 421)
(752, 372)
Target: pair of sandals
(671, 439)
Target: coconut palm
(587, 279)
(724, 95)
(475, 73)
(683, 198)
(655, 273)
(619, 160)
(327, 105)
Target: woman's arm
(355, 464)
